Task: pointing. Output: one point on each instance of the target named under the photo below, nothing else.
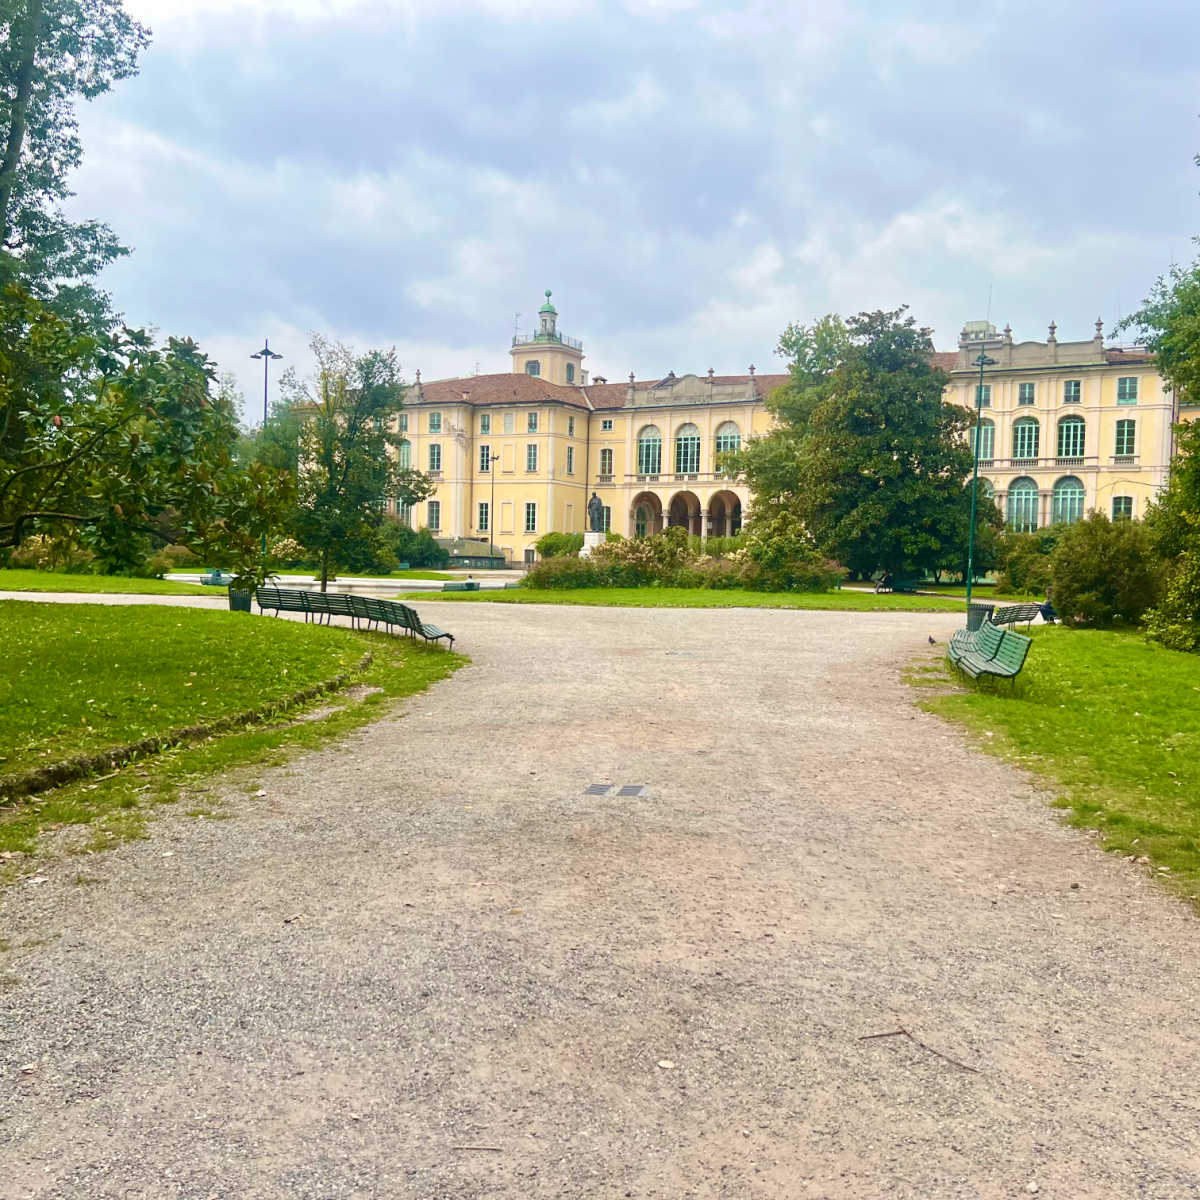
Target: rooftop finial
(752, 368)
(1053, 332)
(631, 377)
(418, 377)
(1099, 327)
(710, 374)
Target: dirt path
(428, 964)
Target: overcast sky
(688, 176)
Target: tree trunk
(324, 569)
(20, 109)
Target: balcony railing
(546, 339)
(1124, 460)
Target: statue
(595, 511)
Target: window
(1122, 508)
(983, 395)
(607, 522)
(1071, 437)
(570, 460)
(1127, 389)
(1126, 438)
(985, 435)
(485, 458)
(482, 522)
(606, 425)
(531, 457)
(1023, 505)
(530, 517)
(403, 423)
(606, 459)
(1067, 503)
(510, 422)
(435, 514)
(687, 450)
(1072, 391)
(570, 372)
(533, 367)
(531, 422)
(1025, 438)
(435, 422)
(485, 422)
(435, 457)
(404, 512)
(570, 427)
(641, 521)
(1024, 393)
(649, 451)
(728, 438)
(404, 454)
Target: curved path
(428, 964)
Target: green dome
(548, 307)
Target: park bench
(989, 651)
(1014, 614)
(889, 583)
(358, 608)
(461, 585)
(414, 624)
(282, 600)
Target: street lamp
(982, 361)
(266, 354)
(492, 459)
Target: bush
(1024, 560)
(564, 571)
(171, 558)
(44, 553)
(779, 557)
(1103, 572)
(554, 545)
(287, 552)
(1175, 621)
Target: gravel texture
(426, 964)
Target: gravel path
(427, 964)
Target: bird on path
(932, 640)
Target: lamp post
(266, 354)
(982, 361)
(492, 460)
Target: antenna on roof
(989, 303)
(517, 323)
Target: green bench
(890, 583)
(989, 651)
(461, 585)
(318, 605)
(1014, 614)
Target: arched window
(1070, 437)
(1066, 505)
(1023, 505)
(729, 437)
(985, 432)
(1025, 438)
(606, 461)
(649, 451)
(687, 450)
(404, 453)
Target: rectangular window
(570, 460)
(570, 372)
(482, 525)
(1024, 393)
(485, 422)
(404, 454)
(1126, 438)
(530, 517)
(404, 512)
(983, 395)
(606, 461)
(435, 514)
(404, 422)
(435, 422)
(435, 457)
(570, 427)
(607, 518)
(1127, 389)
(1072, 391)
(531, 457)
(510, 422)
(1122, 508)
(531, 422)
(485, 458)
(606, 425)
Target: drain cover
(597, 789)
(626, 789)
(631, 789)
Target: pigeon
(932, 641)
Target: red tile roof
(510, 388)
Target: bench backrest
(268, 597)
(987, 640)
(1012, 651)
(1010, 614)
(411, 620)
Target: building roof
(616, 395)
(483, 390)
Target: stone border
(31, 783)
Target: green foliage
(780, 556)
(868, 455)
(565, 571)
(552, 545)
(1168, 323)
(348, 453)
(52, 52)
(1103, 572)
(1024, 560)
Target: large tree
(118, 444)
(867, 453)
(53, 52)
(349, 459)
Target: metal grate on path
(625, 789)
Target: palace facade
(1068, 427)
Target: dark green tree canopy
(53, 52)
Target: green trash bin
(976, 614)
(239, 601)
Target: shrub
(1103, 572)
(779, 557)
(287, 552)
(1175, 621)
(554, 545)
(1024, 560)
(564, 571)
(171, 558)
(44, 553)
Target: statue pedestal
(591, 539)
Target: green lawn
(1113, 723)
(51, 581)
(702, 598)
(412, 573)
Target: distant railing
(556, 339)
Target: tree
(51, 52)
(349, 463)
(867, 454)
(121, 444)
(1104, 572)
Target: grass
(1113, 724)
(53, 581)
(117, 806)
(663, 597)
(412, 573)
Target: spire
(547, 319)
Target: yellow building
(1068, 427)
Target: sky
(688, 176)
